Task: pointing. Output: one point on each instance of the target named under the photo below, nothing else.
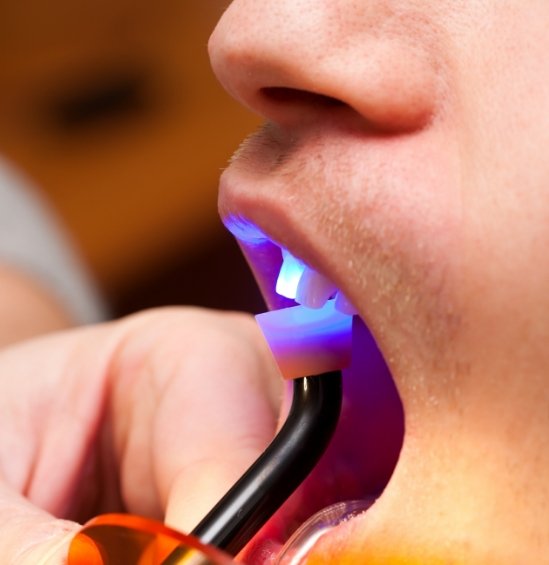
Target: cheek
(390, 210)
(385, 204)
(503, 92)
(401, 239)
(506, 204)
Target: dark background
(110, 108)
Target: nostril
(297, 97)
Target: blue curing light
(308, 342)
(290, 275)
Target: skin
(27, 309)
(404, 158)
(120, 418)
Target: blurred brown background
(111, 108)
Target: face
(404, 158)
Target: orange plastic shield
(121, 539)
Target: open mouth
(361, 458)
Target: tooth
(343, 305)
(314, 289)
(307, 287)
(289, 276)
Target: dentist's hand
(136, 415)
(27, 309)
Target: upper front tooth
(314, 289)
(306, 286)
(289, 276)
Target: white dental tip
(308, 342)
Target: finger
(52, 393)
(26, 309)
(178, 402)
(52, 396)
(203, 404)
(30, 536)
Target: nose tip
(290, 59)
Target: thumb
(202, 484)
(218, 451)
(30, 536)
(214, 415)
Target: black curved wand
(282, 467)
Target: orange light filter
(122, 539)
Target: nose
(290, 60)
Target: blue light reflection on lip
(292, 268)
(244, 230)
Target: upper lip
(267, 200)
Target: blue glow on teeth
(290, 275)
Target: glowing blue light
(244, 230)
(290, 275)
(292, 268)
(306, 341)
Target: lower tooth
(314, 289)
(343, 305)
